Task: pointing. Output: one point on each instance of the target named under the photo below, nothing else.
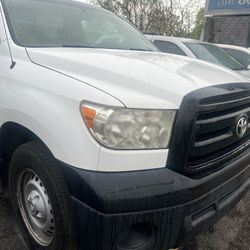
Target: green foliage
(199, 24)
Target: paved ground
(9, 234)
(232, 232)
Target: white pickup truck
(109, 144)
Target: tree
(199, 24)
(142, 13)
(163, 17)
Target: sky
(183, 1)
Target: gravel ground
(232, 232)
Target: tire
(40, 199)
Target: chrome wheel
(35, 207)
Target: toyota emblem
(242, 126)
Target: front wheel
(40, 199)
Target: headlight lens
(121, 128)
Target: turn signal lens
(89, 116)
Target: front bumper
(108, 205)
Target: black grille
(215, 132)
(204, 137)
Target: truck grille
(216, 138)
(221, 132)
(212, 129)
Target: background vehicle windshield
(241, 56)
(214, 54)
(43, 23)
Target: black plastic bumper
(108, 205)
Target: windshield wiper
(88, 46)
(76, 46)
(240, 69)
(138, 49)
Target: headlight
(121, 128)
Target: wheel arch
(15, 133)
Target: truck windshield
(214, 54)
(43, 23)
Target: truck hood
(137, 79)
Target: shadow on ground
(232, 232)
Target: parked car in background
(200, 50)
